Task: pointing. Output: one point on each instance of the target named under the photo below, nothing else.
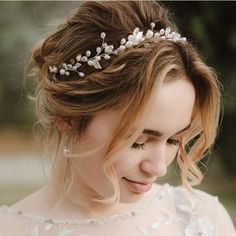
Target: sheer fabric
(173, 211)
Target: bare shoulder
(4, 224)
(11, 215)
(7, 221)
(36, 203)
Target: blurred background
(209, 25)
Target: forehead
(170, 112)
(172, 106)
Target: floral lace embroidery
(185, 209)
(200, 227)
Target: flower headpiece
(107, 50)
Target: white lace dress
(186, 216)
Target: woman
(121, 95)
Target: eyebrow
(159, 134)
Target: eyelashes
(138, 145)
(175, 142)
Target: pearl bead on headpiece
(133, 39)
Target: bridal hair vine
(107, 50)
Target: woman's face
(154, 150)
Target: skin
(145, 161)
(171, 113)
(148, 159)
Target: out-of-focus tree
(211, 26)
(22, 24)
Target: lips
(138, 187)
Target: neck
(79, 206)
(62, 207)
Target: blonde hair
(125, 83)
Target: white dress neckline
(192, 216)
(96, 220)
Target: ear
(62, 124)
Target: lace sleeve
(198, 212)
(224, 223)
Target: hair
(125, 83)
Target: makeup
(137, 187)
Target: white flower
(48, 226)
(155, 225)
(66, 232)
(35, 231)
(138, 38)
(200, 227)
(190, 207)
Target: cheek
(172, 154)
(90, 174)
(90, 167)
(129, 161)
(126, 162)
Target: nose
(155, 163)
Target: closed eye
(174, 141)
(138, 145)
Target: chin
(130, 198)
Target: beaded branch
(105, 51)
